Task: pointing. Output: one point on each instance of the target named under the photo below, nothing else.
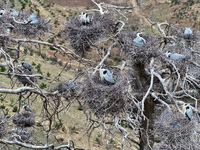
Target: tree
(143, 101)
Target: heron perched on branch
(27, 108)
(139, 40)
(26, 65)
(84, 18)
(174, 56)
(106, 75)
(187, 110)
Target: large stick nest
(67, 91)
(82, 36)
(174, 131)
(140, 54)
(104, 99)
(3, 126)
(179, 32)
(20, 70)
(24, 119)
(22, 28)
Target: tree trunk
(146, 138)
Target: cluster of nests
(102, 98)
(82, 36)
(174, 131)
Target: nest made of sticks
(20, 70)
(21, 25)
(172, 129)
(82, 36)
(179, 32)
(25, 135)
(24, 119)
(140, 54)
(101, 98)
(3, 126)
(67, 91)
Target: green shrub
(43, 85)
(48, 74)
(3, 69)
(15, 108)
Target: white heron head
(167, 53)
(139, 33)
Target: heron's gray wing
(27, 66)
(189, 112)
(70, 83)
(28, 108)
(176, 56)
(108, 77)
(139, 41)
(188, 31)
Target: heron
(105, 74)
(27, 108)
(2, 11)
(187, 31)
(33, 18)
(26, 65)
(174, 56)
(13, 12)
(139, 40)
(70, 83)
(187, 110)
(84, 18)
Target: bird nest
(140, 54)
(82, 36)
(179, 32)
(3, 126)
(21, 27)
(174, 130)
(21, 73)
(104, 99)
(66, 91)
(24, 119)
(25, 135)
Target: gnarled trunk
(146, 138)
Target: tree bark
(146, 138)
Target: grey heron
(70, 83)
(26, 65)
(13, 12)
(84, 18)
(33, 18)
(106, 75)
(187, 110)
(27, 108)
(174, 56)
(187, 31)
(2, 11)
(139, 40)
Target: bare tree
(144, 102)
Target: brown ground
(73, 3)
